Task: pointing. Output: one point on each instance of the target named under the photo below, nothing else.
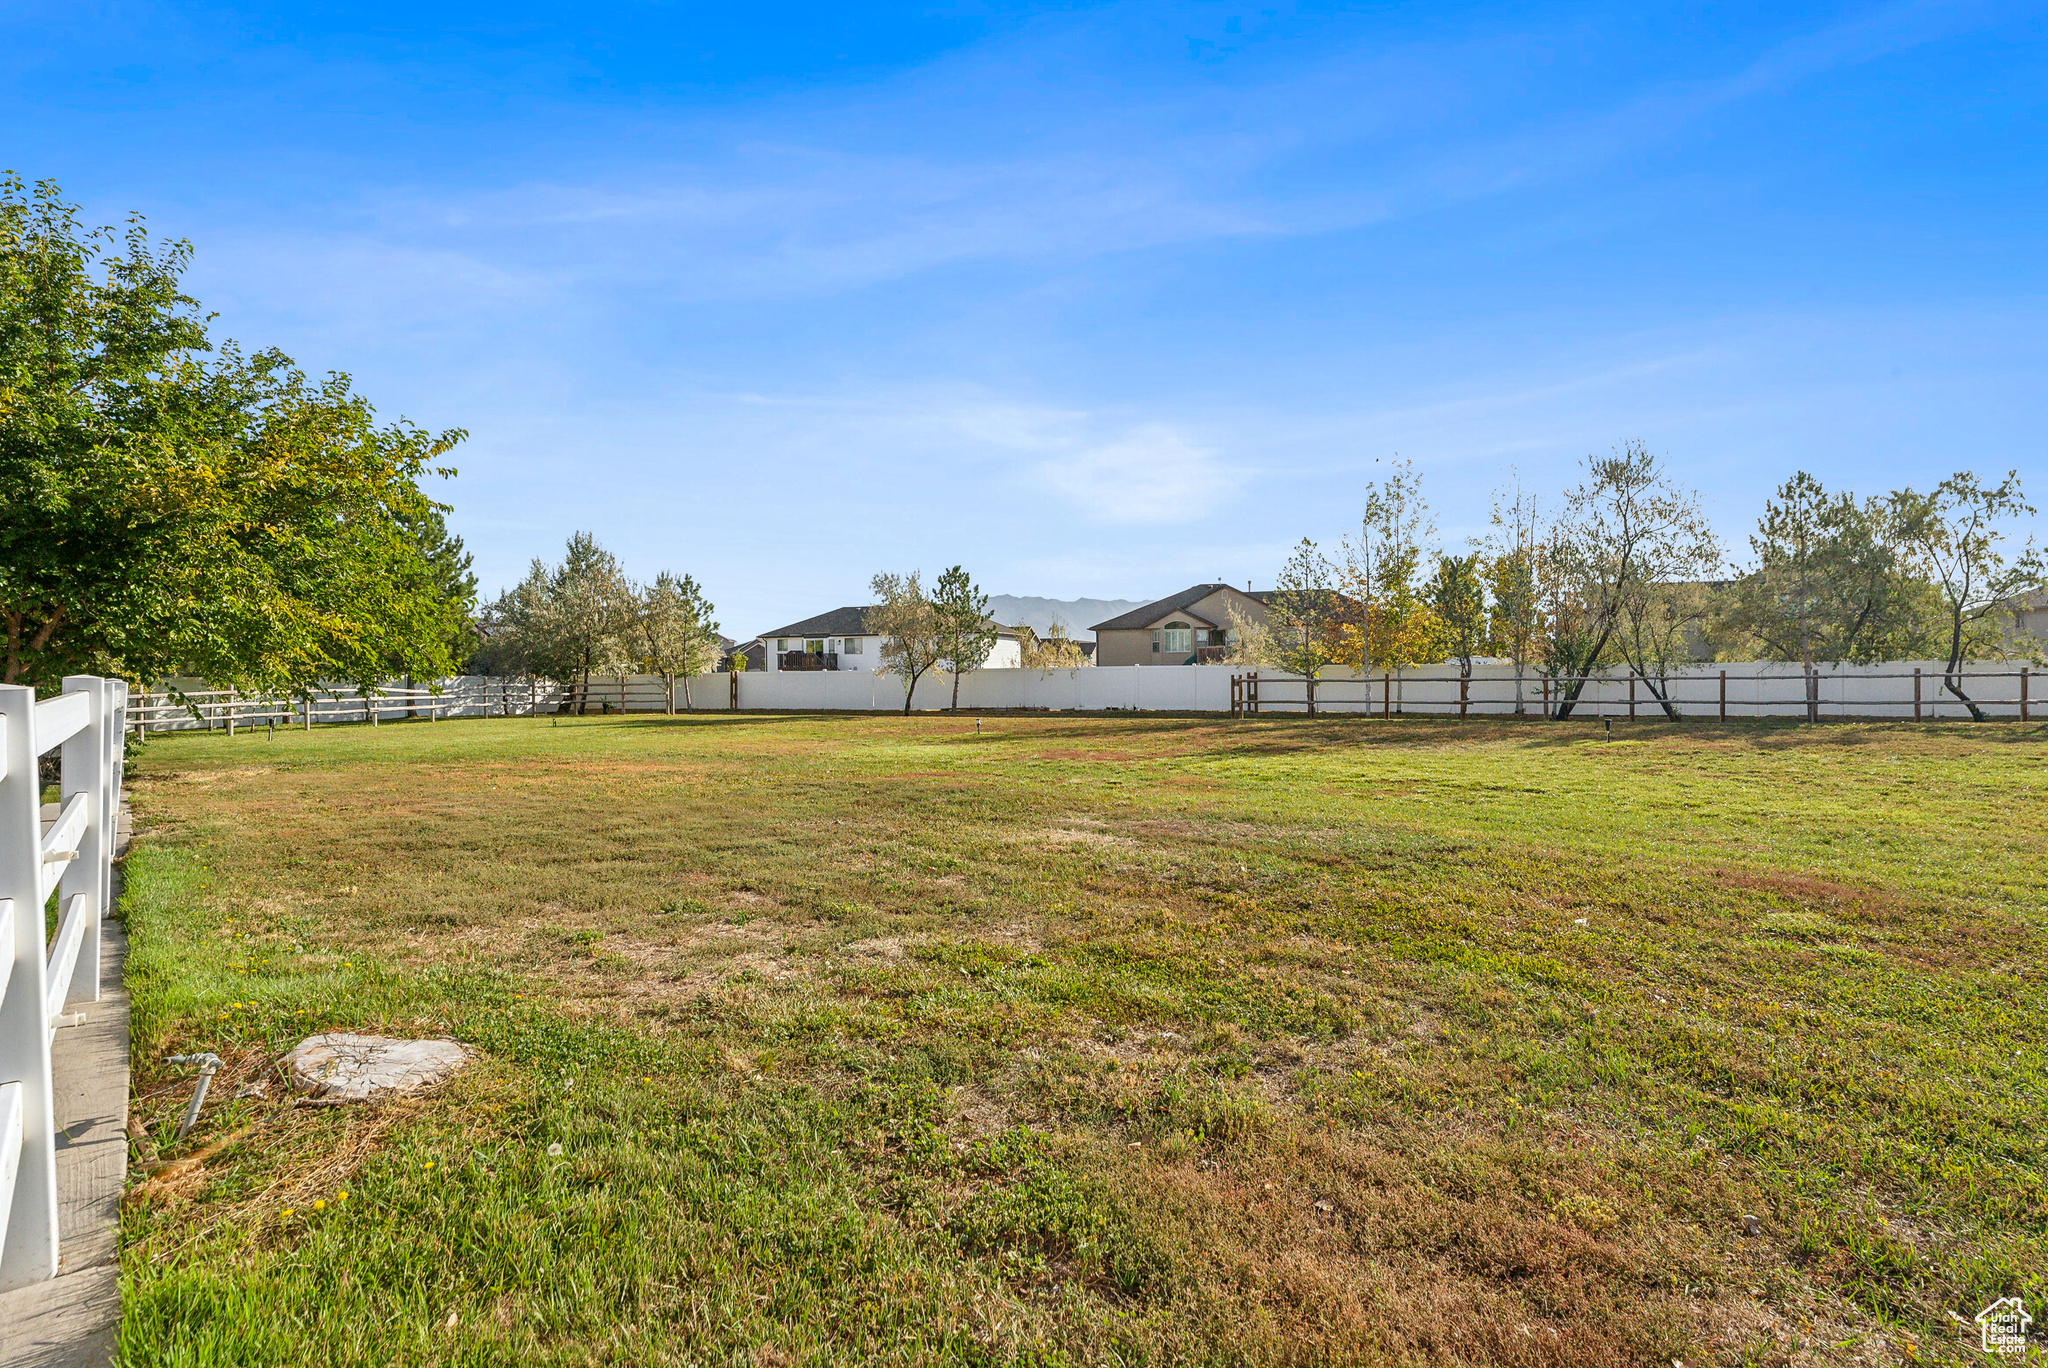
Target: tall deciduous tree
(1388, 624)
(1457, 594)
(906, 620)
(1829, 583)
(162, 509)
(1515, 562)
(570, 621)
(1954, 535)
(676, 632)
(1306, 613)
(966, 636)
(1626, 531)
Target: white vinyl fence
(1908, 690)
(74, 859)
(199, 708)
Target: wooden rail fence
(1689, 694)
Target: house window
(851, 646)
(1179, 638)
(782, 645)
(815, 647)
(1155, 643)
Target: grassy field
(1141, 1040)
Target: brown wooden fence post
(1387, 695)
(1462, 683)
(1546, 698)
(1724, 695)
(1916, 695)
(733, 688)
(1631, 698)
(2023, 693)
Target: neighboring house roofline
(1145, 618)
(846, 622)
(839, 622)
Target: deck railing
(74, 860)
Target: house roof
(846, 622)
(838, 622)
(1139, 618)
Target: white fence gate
(74, 859)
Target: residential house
(1193, 627)
(840, 640)
(2029, 620)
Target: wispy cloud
(1149, 474)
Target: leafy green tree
(966, 635)
(1954, 536)
(1306, 615)
(1830, 582)
(162, 509)
(1457, 591)
(677, 633)
(454, 577)
(907, 621)
(570, 621)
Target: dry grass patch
(1093, 1040)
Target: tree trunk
(1662, 695)
(1952, 678)
(1577, 679)
(956, 693)
(1521, 709)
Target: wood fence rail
(1588, 695)
(74, 859)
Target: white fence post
(30, 1252)
(85, 766)
(89, 721)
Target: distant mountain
(1078, 614)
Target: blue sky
(1099, 299)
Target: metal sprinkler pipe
(209, 1064)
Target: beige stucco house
(1188, 628)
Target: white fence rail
(202, 709)
(74, 860)
(1900, 690)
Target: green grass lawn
(1104, 1040)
